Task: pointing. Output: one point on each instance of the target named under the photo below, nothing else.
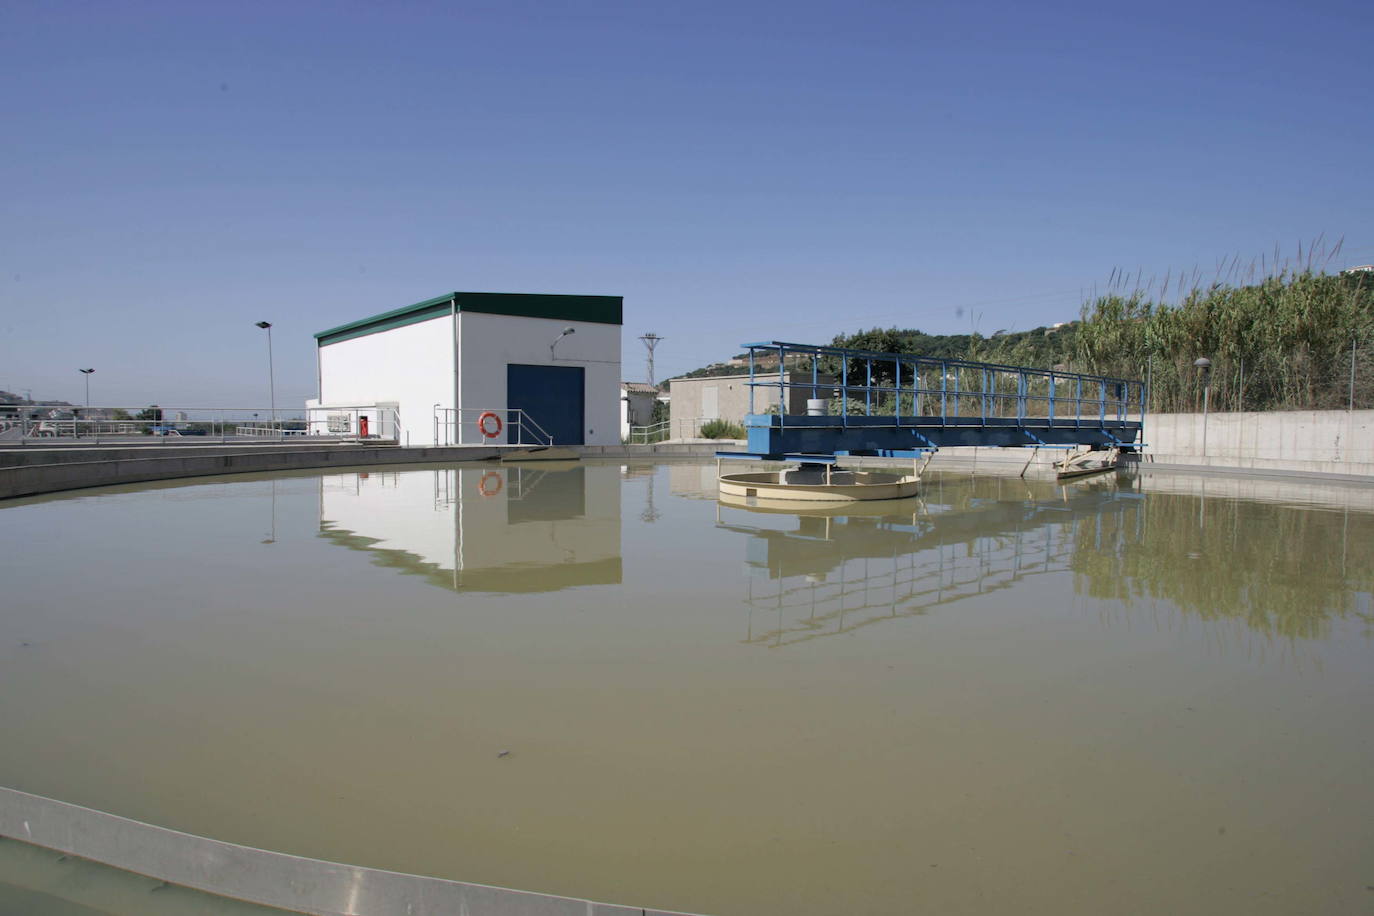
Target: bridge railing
(922, 390)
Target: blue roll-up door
(551, 396)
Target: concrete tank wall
(1324, 441)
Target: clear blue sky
(737, 171)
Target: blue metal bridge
(857, 402)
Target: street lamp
(1204, 365)
(271, 372)
(87, 373)
(566, 332)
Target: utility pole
(651, 340)
(1352, 375)
(1204, 365)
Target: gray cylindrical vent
(817, 407)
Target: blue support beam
(770, 434)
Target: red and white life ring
(488, 429)
(490, 484)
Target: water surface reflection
(1280, 570)
(1276, 568)
(834, 570)
(1028, 698)
(515, 528)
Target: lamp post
(271, 372)
(87, 373)
(1204, 365)
(566, 332)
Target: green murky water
(1147, 695)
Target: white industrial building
(470, 368)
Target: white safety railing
(487, 426)
(64, 424)
(366, 422)
(647, 435)
(266, 432)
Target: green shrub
(721, 429)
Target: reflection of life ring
(490, 484)
(485, 428)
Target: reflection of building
(820, 574)
(694, 481)
(512, 528)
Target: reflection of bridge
(836, 573)
(895, 404)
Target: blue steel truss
(916, 404)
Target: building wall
(1333, 441)
(691, 399)
(488, 343)
(411, 366)
(636, 409)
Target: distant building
(637, 401)
(726, 397)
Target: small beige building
(726, 397)
(637, 401)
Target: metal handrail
(23, 424)
(909, 358)
(346, 421)
(525, 418)
(451, 422)
(1116, 398)
(647, 435)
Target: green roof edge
(561, 307)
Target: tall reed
(1283, 343)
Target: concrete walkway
(273, 879)
(31, 471)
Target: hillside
(1043, 346)
(1293, 341)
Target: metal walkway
(900, 405)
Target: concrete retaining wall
(1309, 441)
(33, 471)
(71, 469)
(1336, 444)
